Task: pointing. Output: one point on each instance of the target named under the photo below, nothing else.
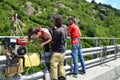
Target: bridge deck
(106, 71)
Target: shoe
(62, 78)
(82, 72)
(75, 76)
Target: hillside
(94, 20)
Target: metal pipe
(3, 59)
(95, 45)
(34, 76)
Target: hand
(10, 57)
(42, 44)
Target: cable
(103, 51)
(30, 65)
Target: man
(75, 35)
(58, 49)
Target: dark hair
(58, 21)
(71, 18)
(52, 18)
(32, 31)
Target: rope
(103, 54)
(16, 27)
(30, 66)
(27, 70)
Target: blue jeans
(77, 51)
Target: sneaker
(82, 72)
(75, 75)
(62, 78)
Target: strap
(75, 38)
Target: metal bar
(95, 45)
(13, 36)
(69, 37)
(3, 59)
(34, 76)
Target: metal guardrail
(100, 56)
(103, 57)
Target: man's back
(59, 39)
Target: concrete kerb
(107, 71)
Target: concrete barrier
(106, 71)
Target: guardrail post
(65, 62)
(0, 74)
(116, 50)
(95, 45)
(105, 52)
(113, 43)
(2, 66)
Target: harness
(75, 38)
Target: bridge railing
(104, 54)
(101, 59)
